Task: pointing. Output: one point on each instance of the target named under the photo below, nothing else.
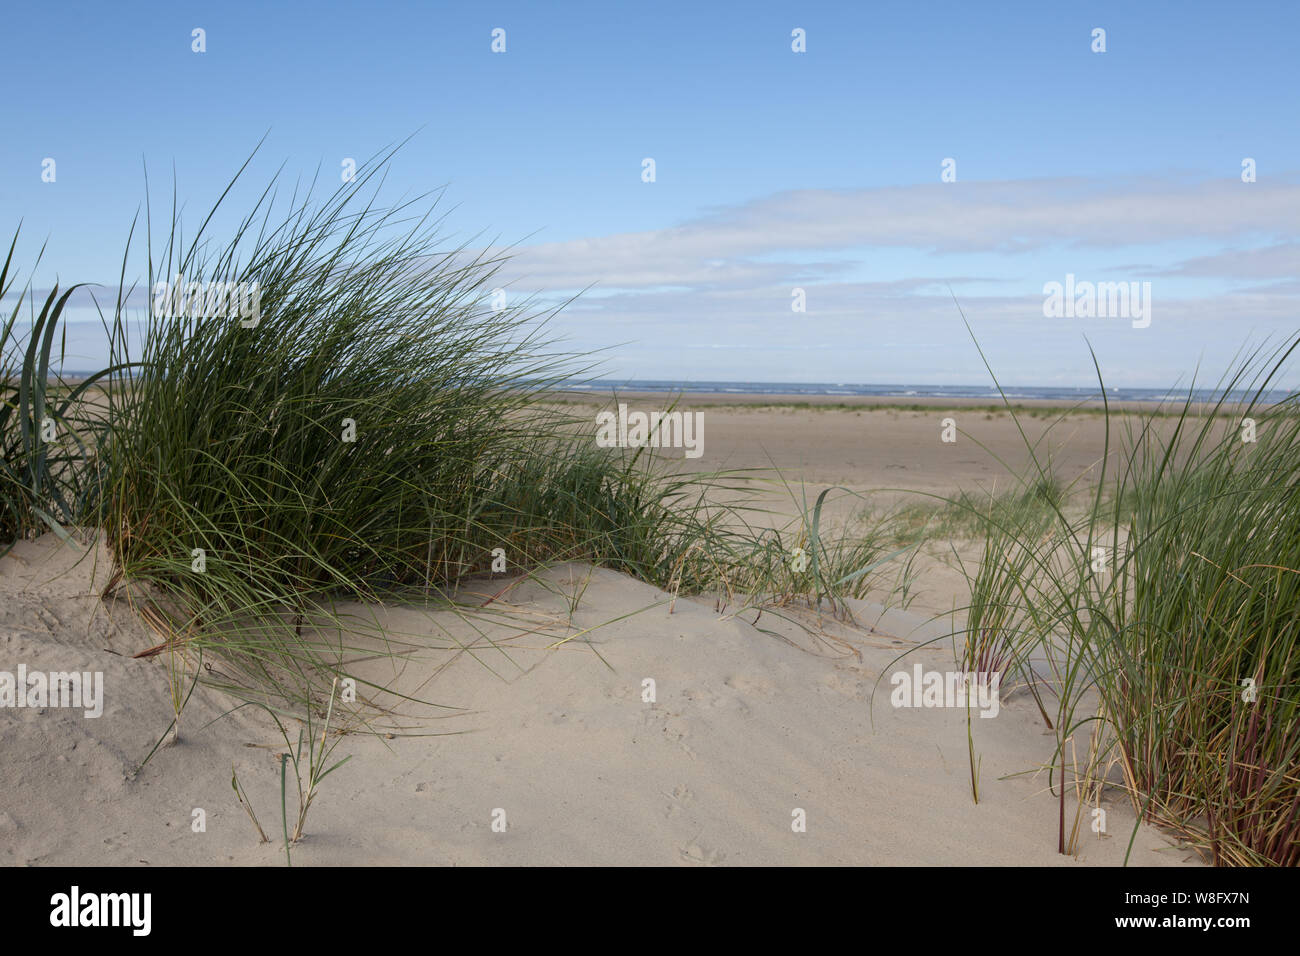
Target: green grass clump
(46, 430)
(372, 431)
(968, 514)
(1166, 622)
(375, 431)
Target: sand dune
(747, 727)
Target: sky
(775, 170)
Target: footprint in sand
(756, 686)
(697, 852)
(843, 683)
(708, 700)
(678, 800)
(677, 730)
(703, 698)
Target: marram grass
(378, 431)
(47, 431)
(1165, 621)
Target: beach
(595, 719)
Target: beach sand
(867, 442)
(754, 719)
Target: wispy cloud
(678, 302)
(754, 243)
(1262, 262)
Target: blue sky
(774, 169)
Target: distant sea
(1014, 393)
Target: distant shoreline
(1158, 401)
(897, 402)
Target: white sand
(746, 728)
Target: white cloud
(724, 247)
(710, 298)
